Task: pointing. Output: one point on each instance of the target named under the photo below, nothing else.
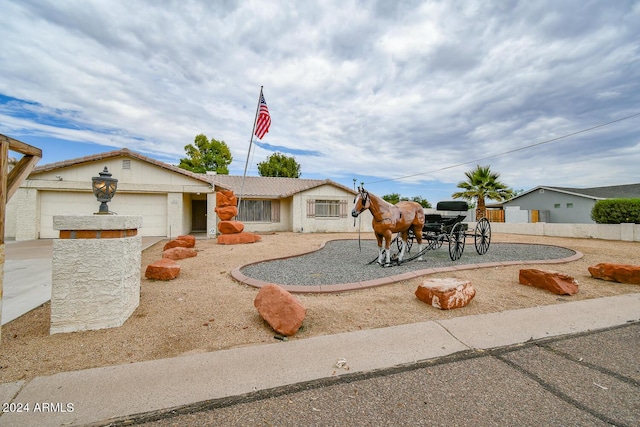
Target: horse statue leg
(379, 239)
(387, 246)
(404, 235)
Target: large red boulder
(622, 273)
(177, 243)
(191, 240)
(230, 227)
(163, 269)
(226, 213)
(238, 238)
(179, 253)
(446, 293)
(226, 198)
(281, 310)
(557, 283)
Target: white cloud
(383, 89)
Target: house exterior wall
(312, 224)
(571, 209)
(143, 189)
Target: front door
(198, 215)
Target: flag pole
(249, 152)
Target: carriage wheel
(456, 242)
(482, 236)
(410, 238)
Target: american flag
(264, 119)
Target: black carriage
(447, 226)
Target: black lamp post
(104, 188)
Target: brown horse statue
(389, 219)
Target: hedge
(616, 211)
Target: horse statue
(389, 219)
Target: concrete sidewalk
(126, 391)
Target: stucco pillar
(174, 214)
(28, 218)
(212, 218)
(95, 271)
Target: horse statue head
(362, 202)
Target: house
(173, 201)
(562, 204)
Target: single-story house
(563, 204)
(173, 201)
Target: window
(557, 206)
(126, 164)
(569, 205)
(326, 208)
(259, 210)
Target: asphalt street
(587, 379)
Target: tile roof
(254, 186)
(123, 152)
(610, 192)
(271, 187)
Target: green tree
(206, 155)
(482, 184)
(393, 198)
(423, 202)
(279, 165)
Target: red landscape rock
(225, 198)
(179, 253)
(281, 310)
(230, 227)
(622, 273)
(238, 238)
(163, 269)
(446, 294)
(177, 243)
(189, 239)
(226, 213)
(557, 283)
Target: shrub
(616, 211)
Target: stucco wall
(626, 232)
(580, 213)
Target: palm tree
(481, 183)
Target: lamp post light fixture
(104, 188)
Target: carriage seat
(434, 222)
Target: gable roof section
(123, 152)
(271, 187)
(597, 193)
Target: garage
(152, 208)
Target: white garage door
(152, 208)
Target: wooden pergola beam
(10, 182)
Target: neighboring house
(564, 205)
(173, 201)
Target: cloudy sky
(405, 96)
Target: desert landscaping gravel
(342, 261)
